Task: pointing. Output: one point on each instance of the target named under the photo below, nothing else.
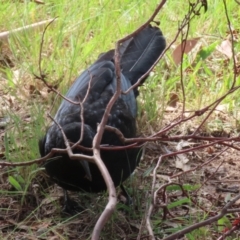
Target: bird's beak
(86, 168)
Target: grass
(82, 31)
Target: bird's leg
(126, 195)
(67, 202)
(70, 206)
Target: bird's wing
(101, 78)
(141, 52)
(97, 78)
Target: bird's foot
(70, 206)
(129, 200)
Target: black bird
(137, 56)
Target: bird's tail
(139, 53)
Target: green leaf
(223, 223)
(187, 187)
(14, 183)
(207, 51)
(178, 203)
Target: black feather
(137, 56)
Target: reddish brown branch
(209, 221)
(97, 139)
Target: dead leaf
(225, 48)
(44, 93)
(182, 159)
(181, 162)
(173, 100)
(179, 50)
(184, 144)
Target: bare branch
(97, 139)
(210, 220)
(232, 45)
(5, 35)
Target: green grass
(82, 31)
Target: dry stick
(229, 232)
(137, 142)
(231, 146)
(234, 73)
(184, 43)
(165, 197)
(197, 113)
(232, 45)
(184, 23)
(82, 112)
(42, 77)
(213, 140)
(158, 8)
(143, 221)
(199, 166)
(148, 221)
(200, 112)
(112, 200)
(206, 118)
(148, 216)
(223, 212)
(233, 210)
(150, 138)
(5, 35)
(117, 132)
(170, 126)
(140, 141)
(209, 177)
(41, 47)
(217, 102)
(154, 180)
(39, 160)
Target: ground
(37, 213)
(193, 186)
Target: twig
(148, 217)
(232, 45)
(5, 35)
(199, 166)
(41, 48)
(112, 200)
(223, 212)
(81, 103)
(183, 47)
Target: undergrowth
(83, 30)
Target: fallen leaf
(226, 48)
(49, 200)
(181, 162)
(179, 50)
(182, 159)
(173, 100)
